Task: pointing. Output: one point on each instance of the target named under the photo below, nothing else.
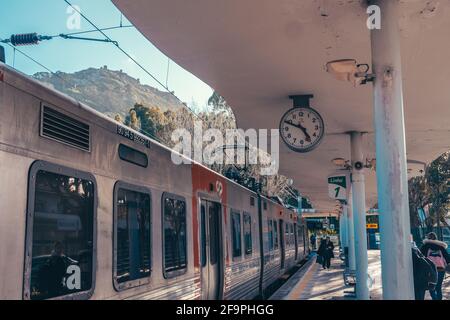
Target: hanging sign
(337, 187)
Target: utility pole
(392, 183)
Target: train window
(292, 235)
(214, 250)
(275, 234)
(270, 233)
(133, 156)
(287, 234)
(203, 234)
(300, 236)
(236, 234)
(248, 234)
(131, 236)
(265, 205)
(174, 235)
(252, 201)
(60, 250)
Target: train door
(295, 241)
(305, 239)
(211, 240)
(282, 251)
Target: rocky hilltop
(108, 91)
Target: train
(92, 209)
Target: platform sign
(337, 187)
(372, 226)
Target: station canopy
(256, 53)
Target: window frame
(141, 281)
(286, 235)
(122, 146)
(276, 242)
(270, 235)
(292, 235)
(202, 230)
(232, 214)
(35, 167)
(247, 214)
(174, 273)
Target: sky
(51, 17)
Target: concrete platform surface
(316, 283)
(328, 284)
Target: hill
(108, 91)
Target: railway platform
(313, 283)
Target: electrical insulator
(24, 39)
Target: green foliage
(159, 125)
(431, 189)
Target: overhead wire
(101, 30)
(32, 59)
(91, 31)
(130, 57)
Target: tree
(118, 118)
(431, 189)
(159, 125)
(437, 175)
(133, 120)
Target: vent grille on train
(62, 128)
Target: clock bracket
(301, 100)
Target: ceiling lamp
(348, 70)
(340, 162)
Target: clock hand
(299, 126)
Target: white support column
(359, 217)
(342, 230)
(396, 260)
(350, 232)
(344, 226)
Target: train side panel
(21, 102)
(271, 214)
(176, 271)
(242, 273)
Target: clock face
(302, 129)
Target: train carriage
(92, 209)
(272, 258)
(289, 239)
(242, 273)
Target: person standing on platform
(436, 251)
(326, 252)
(312, 239)
(424, 273)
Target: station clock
(302, 128)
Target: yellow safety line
(298, 289)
